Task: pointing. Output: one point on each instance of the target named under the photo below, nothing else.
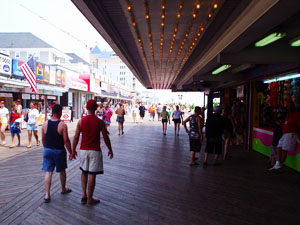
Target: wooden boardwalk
(150, 182)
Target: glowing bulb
(209, 15)
(180, 6)
(198, 6)
(193, 43)
(178, 15)
(150, 35)
(202, 29)
(147, 16)
(162, 34)
(194, 15)
(129, 7)
(162, 24)
(163, 6)
(174, 35)
(175, 30)
(162, 16)
(196, 39)
(215, 5)
(134, 23)
(186, 34)
(161, 44)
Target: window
(17, 55)
(36, 58)
(29, 55)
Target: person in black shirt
(215, 125)
(142, 112)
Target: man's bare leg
(47, 181)
(63, 178)
(91, 188)
(84, 180)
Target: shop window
(17, 54)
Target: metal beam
(250, 15)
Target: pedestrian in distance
(159, 110)
(195, 134)
(165, 119)
(108, 115)
(152, 110)
(177, 118)
(4, 118)
(121, 118)
(32, 124)
(135, 113)
(215, 125)
(142, 110)
(228, 131)
(54, 139)
(91, 159)
(15, 121)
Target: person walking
(32, 124)
(91, 159)
(54, 139)
(121, 118)
(177, 118)
(108, 115)
(228, 130)
(142, 110)
(195, 134)
(152, 110)
(165, 119)
(135, 112)
(215, 126)
(100, 112)
(14, 126)
(290, 134)
(4, 118)
(159, 110)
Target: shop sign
(39, 71)
(78, 85)
(51, 97)
(66, 115)
(104, 86)
(37, 97)
(5, 64)
(16, 72)
(32, 96)
(52, 79)
(46, 73)
(6, 95)
(58, 76)
(25, 96)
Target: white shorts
(91, 161)
(288, 142)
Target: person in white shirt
(4, 118)
(32, 124)
(177, 118)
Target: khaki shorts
(91, 161)
(288, 142)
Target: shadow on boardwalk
(150, 182)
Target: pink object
(108, 115)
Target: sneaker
(275, 167)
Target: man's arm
(106, 139)
(43, 131)
(76, 139)
(184, 124)
(66, 137)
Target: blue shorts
(120, 119)
(32, 127)
(13, 130)
(54, 158)
(107, 122)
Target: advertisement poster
(46, 73)
(16, 72)
(58, 76)
(63, 77)
(52, 73)
(39, 71)
(66, 115)
(5, 65)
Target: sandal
(12, 146)
(29, 146)
(46, 200)
(38, 143)
(68, 190)
(83, 200)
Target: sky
(51, 20)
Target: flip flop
(83, 200)
(38, 144)
(94, 202)
(68, 190)
(194, 164)
(12, 146)
(29, 146)
(46, 200)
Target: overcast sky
(14, 17)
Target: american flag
(28, 71)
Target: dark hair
(197, 109)
(56, 109)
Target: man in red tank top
(91, 161)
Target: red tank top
(90, 129)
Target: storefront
(268, 105)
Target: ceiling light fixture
(295, 42)
(220, 69)
(269, 39)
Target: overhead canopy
(177, 44)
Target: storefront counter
(262, 142)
